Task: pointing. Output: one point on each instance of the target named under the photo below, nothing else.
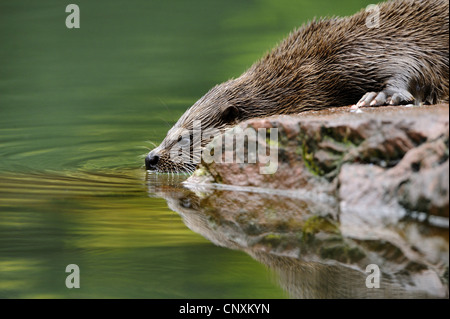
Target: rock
(351, 189)
(403, 152)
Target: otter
(403, 58)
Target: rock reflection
(302, 240)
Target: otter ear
(230, 114)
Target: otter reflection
(302, 242)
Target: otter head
(180, 150)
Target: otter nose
(151, 160)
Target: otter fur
(331, 62)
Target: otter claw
(380, 98)
(395, 99)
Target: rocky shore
(393, 157)
(351, 189)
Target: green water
(79, 108)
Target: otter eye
(184, 141)
(185, 202)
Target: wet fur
(333, 62)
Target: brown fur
(333, 62)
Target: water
(79, 108)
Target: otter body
(402, 58)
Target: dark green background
(78, 108)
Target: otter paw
(373, 99)
(381, 98)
